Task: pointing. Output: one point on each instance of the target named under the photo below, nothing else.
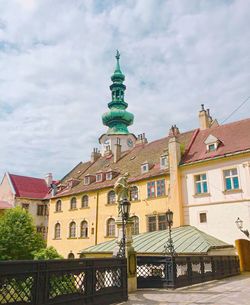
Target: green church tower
(117, 137)
(117, 118)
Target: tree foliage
(18, 236)
(47, 253)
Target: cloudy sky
(57, 56)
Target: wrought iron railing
(165, 271)
(80, 281)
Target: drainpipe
(96, 216)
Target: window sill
(72, 238)
(83, 237)
(57, 239)
(84, 208)
(157, 197)
(73, 209)
(111, 204)
(58, 211)
(232, 191)
(198, 195)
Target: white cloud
(56, 59)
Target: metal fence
(179, 271)
(63, 282)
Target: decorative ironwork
(64, 282)
(173, 272)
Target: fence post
(41, 283)
(202, 268)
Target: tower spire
(117, 118)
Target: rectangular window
(98, 177)
(109, 176)
(151, 223)
(211, 147)
(203, 217)
(144, 168)
(162, 222)
(160, 187)
(25, 206)
(231, 179)
(151, 189)
(200, 184)
(164, 161)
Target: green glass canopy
(117, 118)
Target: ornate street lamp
(124, 209)
(239, 224)
(170, 245)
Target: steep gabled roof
(29, 187)
(234, 137)
(186, 239)
(130, 161)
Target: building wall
(97, 215)
(222, 208)
(6, 192)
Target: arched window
(58, 206)
(111, 227)
(85, 201)
(134, 193)
(73, 203)
(72, 229)
(71, 255)
(135, 226)
(57, 231)
(84, 229)
(111, 197)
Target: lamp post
(239, 224)
(170, 245)
(124, 209)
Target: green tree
(18, 236)
(47, 253)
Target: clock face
(130, 143)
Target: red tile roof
(5, 205)
(29, 187)
(234, 137)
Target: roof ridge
(26, 177)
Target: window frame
(57, 228)
(58, 204)
(160, 186)
(73, 200)
(165, 164)
(85, 203)
(200, 182)
(231, 177)
(146, 170)
(110, 231)
(84, 229)
(201, 214)
(157, 223)
(109, 201)
(135, 228)
(72, 229)
(132, 193)
(150, 187)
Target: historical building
(32, 194)
(201, 175)
(215, 174)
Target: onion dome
(117, 118)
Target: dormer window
(164, 161)
(211, 147)
(212, 143)
(99, 177)
(144, 167)
(109, 176)
(87, 180)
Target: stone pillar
(129, 252)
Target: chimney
(95, 155)
(117, 150)
(204, 118)
(141, 139)
(173, 131)
(48, 179)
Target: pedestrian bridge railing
(179, 271)
(63, 282)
